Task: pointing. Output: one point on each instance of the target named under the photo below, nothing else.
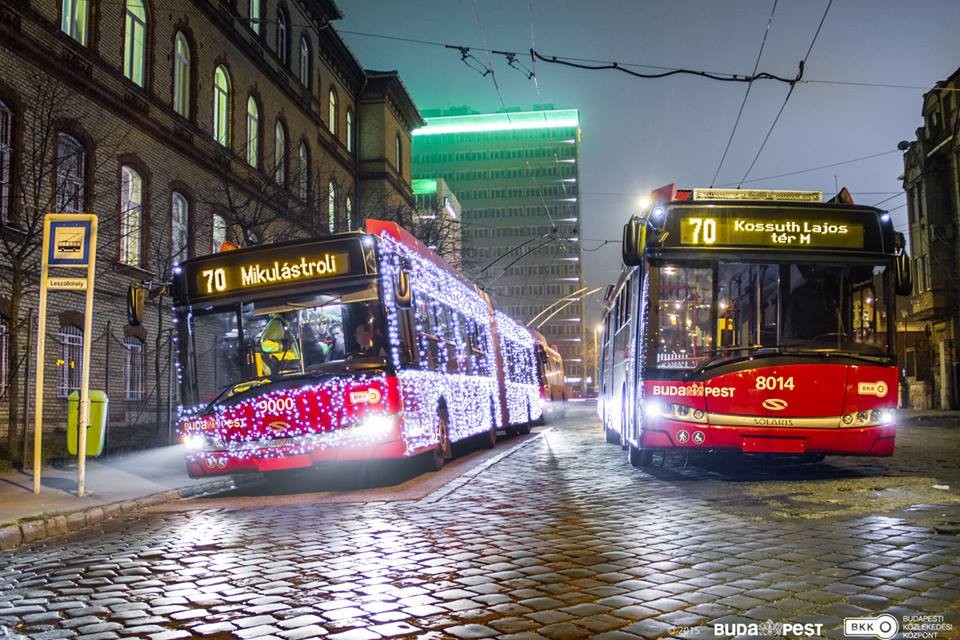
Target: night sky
(638, 134)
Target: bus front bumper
(298, 453)
(850, 441)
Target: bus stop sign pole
(69, 241)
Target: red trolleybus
(752, 321)
(553, 386)
(356, 346)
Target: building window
(279, 154)
(132, 368)
(282, 37)
(221, 106)
(4, 354)
(303, 168)
(349, 131)
(399, 156)
(135, 41)
(348, 208)
(305, 61)
(253, 132)
(131, 215)
(219, 231)
(71, 360)
(332, 113)
(181, 76)
(73, 19)
(332, 207)
(70, 160)
(179, 236)
(6, 161)
(255, 16)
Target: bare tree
(433, 226)
(51, 177)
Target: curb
(32, 529)
(466, 477)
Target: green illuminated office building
(516, 176)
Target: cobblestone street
(561, 539)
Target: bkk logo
(879, 388)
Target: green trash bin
(96, 430)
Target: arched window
(179, 221)
(256, 11)
(332, 112)
(6, 161)
(253, 132)
(181, 75)
(349, 131)
(219, 231)
(71, 360)
(132, 368)
(73, 19)
(305, 61)
(282, 52)
(279, 154)
(398, 160)
(332, 207)
(135, 41)
(303, 172)
(71, 157)
(221, 106)
(131, 215)
(348, 209)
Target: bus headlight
(654, 409)
(377, 425)
(195, 442)
(868, 418)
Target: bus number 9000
(276, 405)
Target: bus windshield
(235, 347)
(708, 311)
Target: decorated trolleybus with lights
(754, 322)
(356, 346)
(553, 386)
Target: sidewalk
(937, 416)
(116, 484)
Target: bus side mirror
(135, 297)
(903, 284)
(402, 295)
(634, 242)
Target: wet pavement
(559, 539)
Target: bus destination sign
(698, 230)
(241, 270)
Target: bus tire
(610, 435)
(444, 449)
(524, 429)
(489, 439)
(639, 457)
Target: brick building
(181, 124)
(931, 179)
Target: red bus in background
(551, 378)
(357, 346)
(755, 322)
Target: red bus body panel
(788, 409)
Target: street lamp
(596, 354)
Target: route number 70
(704, 230)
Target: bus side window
(463, 343)
(450, 339)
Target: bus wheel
(444, 450)
(525, 427)
(489, 440)
(639, 457)
(610, 435)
